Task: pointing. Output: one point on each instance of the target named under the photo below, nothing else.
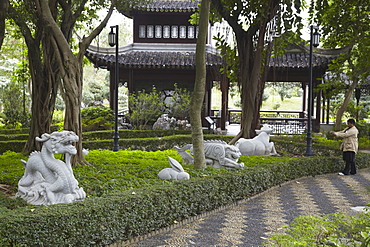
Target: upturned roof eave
(160, 6)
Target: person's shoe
(353, 173)
(341, 174)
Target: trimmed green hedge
(131, 134)
(150, 144)
(99, 221)
(149, 140)
(14, 145)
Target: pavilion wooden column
(316, 125)
(304, 97)
(224, 98)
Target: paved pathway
(251, 222)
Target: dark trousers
(349, 158)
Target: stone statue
(265, 128)
(259, 145)
(218, 154)
(47, 180)
(176, 172)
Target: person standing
(349, 146)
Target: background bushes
(97, 118)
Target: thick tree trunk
(251, 86)
(55, 66)
(72, 95)
(43, 95)
(68, 66)
(199, 88)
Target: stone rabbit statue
(176, 172)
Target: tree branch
(86, 41)
(232, 20)
(4, 5)
(26, 32)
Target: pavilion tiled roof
(298, 61)
(162, 57)
(152, 58)
(165, 6)
(297, 57)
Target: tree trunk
(68, 67)
(343, 107)
(4, 5)
(43, 93)
(252, 83)
(55, 66)
(72, 95)
(199, 88)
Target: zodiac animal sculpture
(259, 145)
(47, 180)
(176, 172)
(218, 154)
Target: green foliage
(11, 168)
(351, 68)
(97, 118)
(358, 112)
(95, 92)
(284, 90)
(13, 118)
(243, 16)
(145, 107)
(337, 229)
(179, 107)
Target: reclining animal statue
(218, 154)
(47, 180)
(259, 145)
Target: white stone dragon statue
(47, 180)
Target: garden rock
(164, 123)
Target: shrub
(145, 108)
(97, 118)
(179, 106)
(13, 118)
(336, 229)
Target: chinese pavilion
(163, 53)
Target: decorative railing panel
(282, 122)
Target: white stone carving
(218, 154)
(259, 145)
(47, 180)
(265, 128)
(176, 172)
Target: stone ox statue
(259, 145)
(218, 154)
(47, 180)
